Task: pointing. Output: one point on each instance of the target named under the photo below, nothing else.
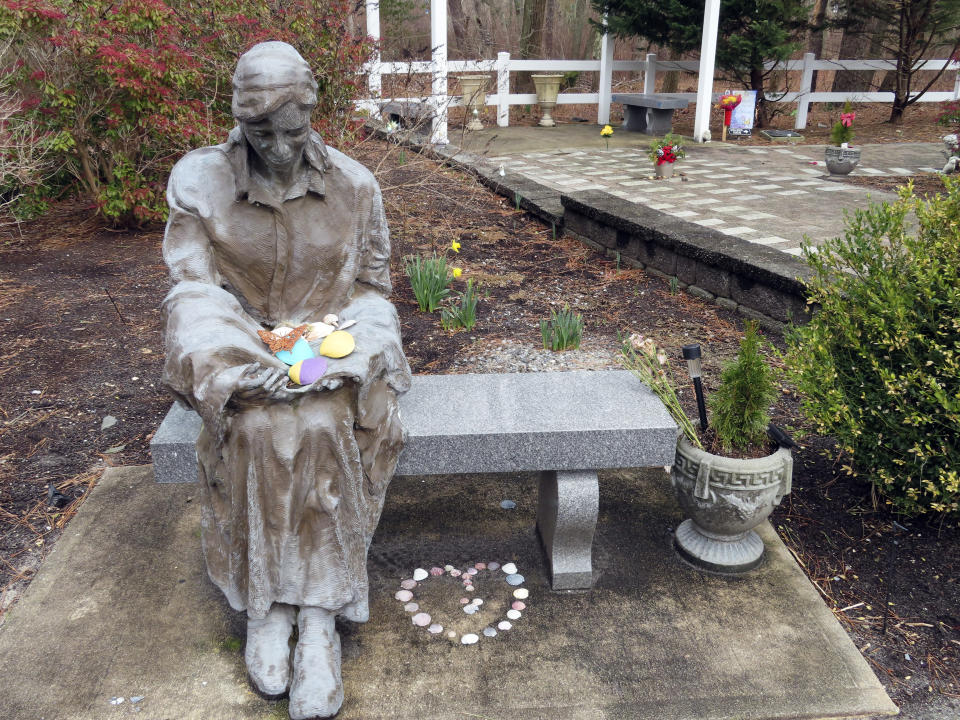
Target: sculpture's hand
(258, 384)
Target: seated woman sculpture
(272, 228)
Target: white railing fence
(440, 67)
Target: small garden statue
(951, 144)
(268, 234)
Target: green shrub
(464, 313)
(429, 279)
(739, 406)
(118, 90)
(878, 366)
(563, 330)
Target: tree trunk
(531, 36)
(460, 25)
(853, 46)
(814, 42)
(756, 83)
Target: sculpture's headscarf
(269, 75)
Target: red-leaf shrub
(120, 89)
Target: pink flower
(846, 119)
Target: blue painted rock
(301, 351)
(307, 372)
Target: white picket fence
(504, 65)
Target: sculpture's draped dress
(292, 491)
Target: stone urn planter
(724, 499)
(548, 87)
(664, 170)
(474, 89)
(841, 160)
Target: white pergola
(438, 68)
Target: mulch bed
(79, 306)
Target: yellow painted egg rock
(337, 344)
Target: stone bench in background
(647, 112)
(564, 425)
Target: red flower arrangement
(667, 150)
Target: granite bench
(564, 425)
(648, 112)
(408, 113)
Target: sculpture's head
(273, 95)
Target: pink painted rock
(436, 571)
(408, 584)
(455, 573)
(469, 588)
(404, 595)
(421, 619)
(518, 605)
(411, 607)
(464, 601)
(481, 566)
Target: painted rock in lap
(307, 372)
(337, 344)
(301, 351)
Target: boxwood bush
(878, 366)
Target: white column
(606, 77)
(806, 81)
(956, 87)
(708, 51)
(503, 89)
(373, 31)
(650, 74)
(438, 41)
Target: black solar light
(691, 353)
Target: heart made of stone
(439, 601)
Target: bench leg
(566, 520)
(659, 122)
(635, 118)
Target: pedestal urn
(548, 87)
(474, 89)
(724, 499)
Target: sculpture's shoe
(316, 690)
(268, 649)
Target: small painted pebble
(421, 619)
(489, 632)
(470, 639)
(436, 571)
(493, 566)
(470, 609)
(420, 574)
(508, 504)
(477, 601)
(448, 568)
(509, 569)
(504, 625)
(455, 573)
(404, 595)
(464, 601)
(411, 607)
(451, 634)
(521, 593)
(514, 579)
(469, 588)
(116, 700)
(435, 628)
(513, 614)
(481, 566)
(408, 584)
(518, 605)
(472, 571)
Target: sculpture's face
(279, 138)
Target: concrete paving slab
(122, 607)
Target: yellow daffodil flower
(607, 131)
(457, 272)
(455, 246)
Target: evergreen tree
(751, 33)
